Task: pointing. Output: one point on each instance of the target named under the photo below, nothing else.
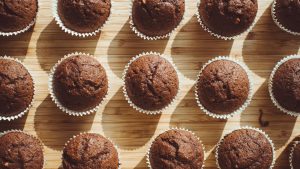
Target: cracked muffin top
(228, 17)
(90, 151)
(80, 83)
(16, 88)
(223, 87)
(176, 149)
(16, 15)
(19, 150)
(296, 156)
(245, 148)
(286, 85)
(157, 17)
(287, 13)
(151, 82)
(83, 16)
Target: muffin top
(228, 17)
(151, 82)
(80, 83)
(286, 85)
(296, 157)
(223, 87)
(245, 148)
(90, 151)
(157, 17)
(84, 16)
(287, 13)
(16, 15)
(176, 149)
(19, 150)
(16, 88)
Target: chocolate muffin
(16, 88)
(178, 149)
(157, 17)
(19, 150)
(90, 151)
(80, 83)
(16, 15)
(83, 16)
(286, 85)
(295, 156)
(151, 82)
(223, 87)
(287, 13)
(228, 17)
(245, 148)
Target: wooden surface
(189, 47)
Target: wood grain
(189, 47)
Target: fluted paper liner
(179, 129)
(57, 102)
(149, 112)
(246, 103)
(270, 85)
(19, 115)
(295, 143)
(247, 128)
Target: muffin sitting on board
(91, 151)
(78, 84)
(19, 150)
(295, 155)
(16, 89)
(176, 149)
(81, 18)
(227, 19)
(156, 19)
(223, 88)
(17, 16)
(284, 85)
(151, 83)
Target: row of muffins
(245, 147)
(150, 19)
(78, 84)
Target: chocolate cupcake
(16, 89)
(286, 15)
(20, 150)
(151, 83)
(78, 84)
(156, 19)
(284, 85)
(176, 148)
(227, 19)
(82, 18)
(90, 151)
(17, 16)
(245, 148)
(295, 156)
(223, 88)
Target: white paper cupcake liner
(149, 112)
(71, 32)
(248, 128)
(273, 13)
(217, 35)
(116, 147)
(57, 102)
(145, 37)
(14, 117)
(295, 143)
(174, 128)
(40, 141)
(242, 108)
(270, 85)
(23, 30)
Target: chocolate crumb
(262, 122)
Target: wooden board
(189, 48)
